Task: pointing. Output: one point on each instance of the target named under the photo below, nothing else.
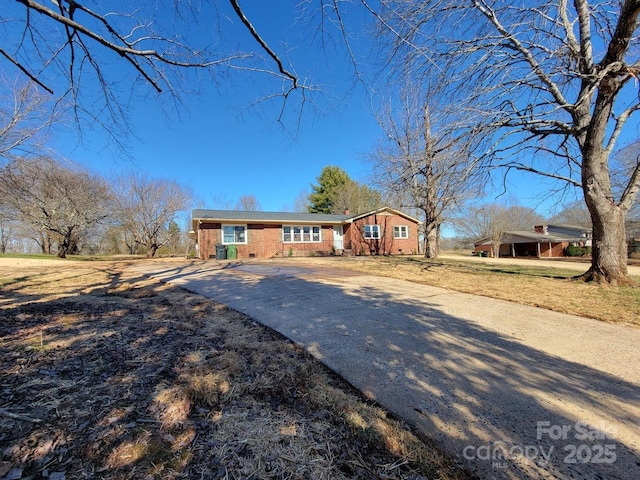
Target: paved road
(510, 391)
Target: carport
(529, 244)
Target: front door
(338, 243)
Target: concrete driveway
(510, 391)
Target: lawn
(540, 286)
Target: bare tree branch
(24, 70)
(262, 43)
(25, 116)
(72, 40)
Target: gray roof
(267, 217)
(580, 228)
(541, 237)
(522, 236)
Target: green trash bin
(221, 252)
(232, 252)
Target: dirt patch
(109, 375)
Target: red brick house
(544, 241)
(384, 231)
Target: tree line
(64, 209)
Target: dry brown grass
(545, 287)
(107, 375)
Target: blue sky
(222, 146)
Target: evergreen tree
(323, 195)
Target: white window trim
(246, 234)
(377, 231)
(402, 232)
(301, 227)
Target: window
(371, 231)
(401, 231)
(234, 234)
(296, 234)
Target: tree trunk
(63, 248)
(153, 248)
(66, 245)
(609, 250)
(431, 249)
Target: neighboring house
(633, 245)
(544, 241)
(384, 231)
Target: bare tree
(25, 115)
(118, 240)
(426, 161)
(146, 208)
(58, 201)
(248, 203)
(68, 49)
(356, 198)
(6, 233)
(492, 220)
(301, 202)
(555, 83)
(574, 213)
(626, 160)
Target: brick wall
(263, 241)
(386, 245)
(557, 249)
(209, 234)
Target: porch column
(550, 253)
(538, 249)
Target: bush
(574, 251)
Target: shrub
(574, 251)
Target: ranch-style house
(244, 234)
(545, 241)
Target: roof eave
(269, 221)
(382, 209)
